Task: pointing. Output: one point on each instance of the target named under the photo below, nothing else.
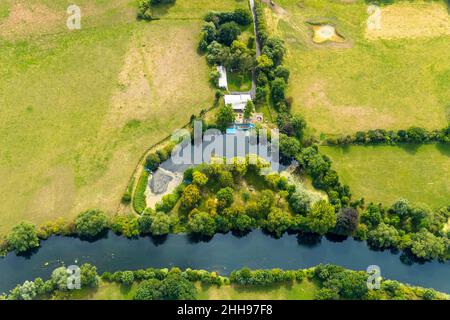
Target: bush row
(380, 136)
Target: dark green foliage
(125, 224)
(278, 87)
(89, 277)
(22, 238)
(201, 223)
(243, 17)
(225, 117)
(291, 125)
(224, 198)
(289, 148)
(91, 223)
(228, 32)
(384, 236)
(347, 221)
(139, 201)
(275, 50)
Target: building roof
(237, 101)
(223, 83)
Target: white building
(237, 101)
(223, 82)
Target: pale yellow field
(412, 20)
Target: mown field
(420, 174)
(304, 290)
(78, 108)
(394, 78)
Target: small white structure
(237, 101)
(223, 82)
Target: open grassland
(367, 82)
(79, 108)
(304, 290)
(386, 173)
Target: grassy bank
(385, 173)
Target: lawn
(79, 108)
(304, 290)
(396, 78)
(386, 173)
(239, 82)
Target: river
(223, 253)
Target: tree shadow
(410, 148)
(160, 10)
(379, 2)
(196, 238)
(309, 239)
(158, 240)
(444, 149)
(334, 237)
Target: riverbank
(222, 253)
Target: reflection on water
(222, 253)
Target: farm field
(386, 173)
(297, 291)
(396, 77)
(79, 108)
(304, 290)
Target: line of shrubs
(333, 283)
(380, 136)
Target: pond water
(223, 253)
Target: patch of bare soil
(412, 20)
(25, 19)
(133, 97)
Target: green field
(304, 290)
(238, 82)
(386, 173)
(397, 80)
(78, 108)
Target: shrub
(139, 201)
(228, 32)
(126, 198)
(167, 202)
(384, 236)
(224, 198)
(91, 223)
(201, 223)
(278, 87)
(23, 237)
(89, 277)
(321, 218)
(161, 224)
(347, 221)
(242, 17)
(126, 225)
(190, 198)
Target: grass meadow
(304, 290)
(78, 108)
(395, 78)
(420, 174)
